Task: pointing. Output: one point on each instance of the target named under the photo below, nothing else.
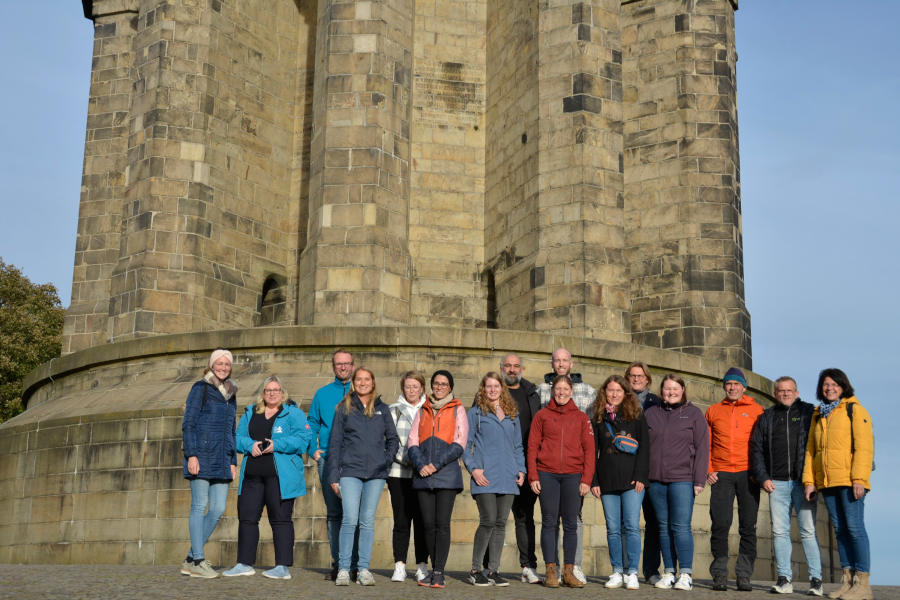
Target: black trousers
(437, 508)
(721, 513)
(405, 505)
(523, 514)
(652, 553)
(257, 492)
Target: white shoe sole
(242, 574)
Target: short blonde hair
(261, 401)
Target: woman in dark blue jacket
(209, 455)
(363, 444)
(273, 435)
(496, 461)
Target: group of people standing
(553, 443)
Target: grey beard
(512, 380)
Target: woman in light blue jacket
(496, 461)
(273, 435)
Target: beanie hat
(445, 374)
(734, 374)
(219, 353)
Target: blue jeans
(201, 523)
(360, 500)
(623, 508)
(846, 514)
(788, 497)
(334, 514)
(674, 506)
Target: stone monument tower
(428, 183)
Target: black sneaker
(720, 583)
(495, 578)
(425, 581)
(331, 575)
(477, 578)
(782, 586)
(354, 573)
(437, 579)
(815, 587)
(743, 584)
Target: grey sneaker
(277, 572)
(782, 586)
(186, 565)
(238, 570)
(365, 577)
(815, 587)
(343, 577)
(203, 569)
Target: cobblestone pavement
(111, 582)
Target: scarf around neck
(825, 409)
(227, 388)
(439, 404)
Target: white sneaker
(421, 571)
(343, 577)
(665, 582)
(579, 574)
(529, 575)
(615, 581)
(684, 582)
(399, 571)
(631, 582)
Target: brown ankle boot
(861, 589)
(846, 584)
(569, 578)
(552, 578)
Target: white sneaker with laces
(684, 582)
(399, 571)
(631, 582)
(529, 575)
(615, 581)
(421, 571)
(665, 582)
(579, 574)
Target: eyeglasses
(637, 376)
(343, 364)
(278, 391)
(439, 384)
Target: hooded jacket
(679, 444)
(321, 413)
(207, 429)
(290, 438)
(761, 440)
(829, 460)
(561, 441)
(496, 447)
(361, 446)
(730, 426)
(437, 438)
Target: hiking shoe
(665, 582)
(437, 579)
(529, 575)
(421, 571)
(365, 577)
(186, 565)
(477, 578)
(720, 583)
(202, 568)
(238, 570)
(579, 574)
(815, 587)
(495, 578)
(744, 585)
(782, 586)
(342, 578)
(615, 581)
(631, 582)
(685, 582)
(277, 572)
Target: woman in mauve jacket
(560, 471)
(436, 442)
(679, 458)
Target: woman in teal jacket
(273, 435)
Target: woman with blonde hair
(273, 435)
(496, 461)
(362, 447)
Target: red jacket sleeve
(535, 436)
(590, 454)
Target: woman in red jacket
(560, 469)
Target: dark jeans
(559, 498)
(721, 513)
(652, 554)
(257, 492)
(493, 510)
(406, 508)
(437, 508)
(523, 513)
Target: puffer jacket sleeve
(809, 471)
(864, 446)
(391, 439)
(231, 409)
(297, 440)
(335, 445)
(758, 438)
(189, 425)
(243, 440)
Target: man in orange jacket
(731, 422)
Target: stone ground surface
(111, 582)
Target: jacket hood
(402, 401)
(549, 377)
(562, 408)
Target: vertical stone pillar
(682, 178)
(357, 255)
(579, 274)
(103, 181)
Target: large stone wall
(91, 472)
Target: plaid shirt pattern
(582, 394)
(403, 416)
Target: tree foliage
(31, 321)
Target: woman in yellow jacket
(839, 460)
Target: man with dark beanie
(731, 423)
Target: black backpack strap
(852, 437)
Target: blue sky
(817, 91)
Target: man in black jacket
(777, 452)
